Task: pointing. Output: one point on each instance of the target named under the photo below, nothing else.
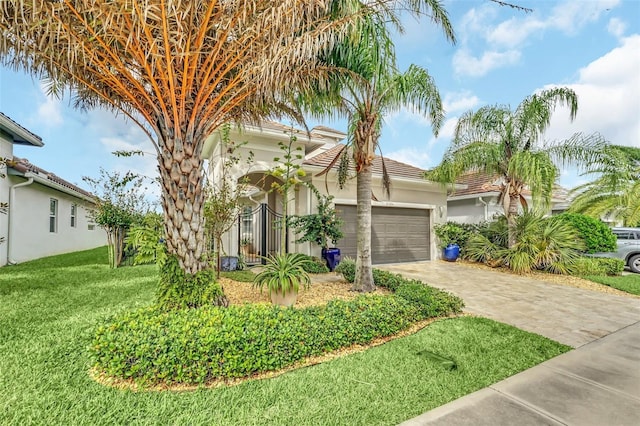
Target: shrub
(347, 267)
(196, 345)
(597, 236)
(387, 279)
(597, 266)
(178, 290)
(145, 240)
(315, 265)
(541, 243)
(283, 273)
(431, 301)
(153, 345)
(453, 233)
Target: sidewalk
(596, 384)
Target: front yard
(49, 310)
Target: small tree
(320, 228)
(120, 201)
(288, 174)
(222, 205)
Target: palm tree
(616, 190)
(178, 69)
(498, 141)
(371, 87)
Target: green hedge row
(193, 346)
(197, 345)
(598, 266)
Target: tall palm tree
(370, 87)
(498, 141)
(616, 190)
(178, 69)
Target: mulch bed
(324, 287)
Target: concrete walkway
(596, 384)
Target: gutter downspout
(486, 208)
(12, 196)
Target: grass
(628, 283)
(244, 276)
(50, 307)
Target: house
(402, 226)
(44, 214)
(476, 199)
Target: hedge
(193, 346)
(597, 236)
(197, 345)
(597, 266)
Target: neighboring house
(402, 226)
(46, 215)
(477, 200)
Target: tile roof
(30, 135)
(481, 183)
(394, 168)
(477, 183)
(23, 165)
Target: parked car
(628, 248)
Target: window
(74, 210)
(53, 215)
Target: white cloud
(459, 101)
(514, 32)
(505, 39)
(616, 27)
(572, 15)
(608, 97)
(466, 64)
(49, 112)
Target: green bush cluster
(152, 345)
(178, 290)
(598, 266)
(315, 265)
(454, 233)
(347, 268)
(597, 236)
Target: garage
(397, 234)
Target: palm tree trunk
(364, 274)
(183, 202)
(512, 213)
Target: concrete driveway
(568, 315)
(596, 384)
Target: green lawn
(628, 283)
(49, 308)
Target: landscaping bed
(153, 346)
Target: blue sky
(502, 56)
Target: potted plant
(451, 237)
(282, 275)
(322, 228)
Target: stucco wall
(31, 238)
(404, 193)
(6, 151)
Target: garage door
(397, 234)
